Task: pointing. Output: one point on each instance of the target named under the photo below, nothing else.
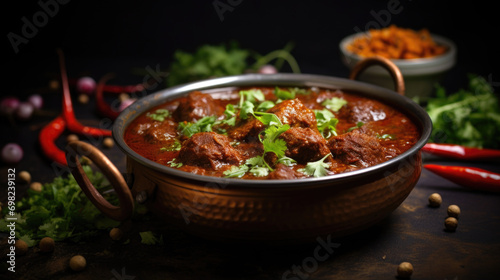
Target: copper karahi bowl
(258, 210)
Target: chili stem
(102, 106)
(69, 115)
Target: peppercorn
(54, 84)
(36, 186)
(24, 177)
(123, 96)
(47, 244)
(116, 234)
(108, 142)
(453, 211)
(72, 137)
(83, 98)
(77, 263)
(21, 247)
(405, 270)
(451, 223)
(435, 200)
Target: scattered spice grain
(435, 200)
(453, 211)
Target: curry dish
(271, 133)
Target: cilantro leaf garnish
(175, 146)
(149, 238)
(269, 139)
(358, 125)
(175, 164)
(284, 94)
(159, 115)
(230, 115)
(264, 106)
(326, 123)
(202, 125)
(236, 171)
(334, 103)
(253, 95)
(271, 142)
(316, 168)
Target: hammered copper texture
(226, 212)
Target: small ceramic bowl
(420, 74)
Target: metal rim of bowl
(406, 105)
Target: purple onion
(24, 111)
(36, 100)
(12, 153)
(8, 105)
(267, 69)
(86, 85)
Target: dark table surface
(101, 38)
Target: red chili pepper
(47, 138)
(102, 106)
(68, 113)
(122, 89)
(460, 152)
(470, 177)
(115, 89)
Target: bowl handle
(119, 213)
(396, 75)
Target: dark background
(116, 36)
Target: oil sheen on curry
(271, 133)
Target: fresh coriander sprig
(326, 122)
(204, 124)
(334, 103)
(159, 115)
(316, 168)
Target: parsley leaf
(272, 143)
(175, 146)
(264, 106)
(236, 171)
(358, 125)
(159, 115)
(230, 115)
(469, 117)
(174, 164)
(284, 94)
(207, 61)
(202, 125)
(326, 122)
(61, 211)
(316, 168)
(334, 103)
(149, 238)
(253, 95)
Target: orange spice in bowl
(396, 43)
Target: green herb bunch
(469, 117)
(209, 61)
(61, 211)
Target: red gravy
(368, 132)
